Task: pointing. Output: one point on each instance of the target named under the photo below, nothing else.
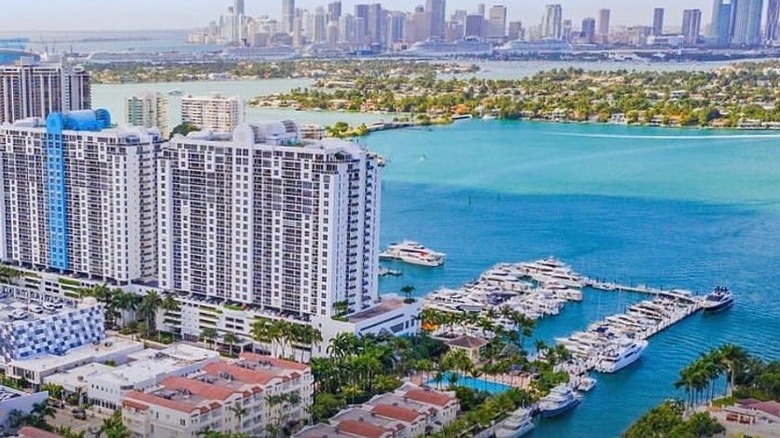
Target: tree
(407, 291)
(231, 340)
(208, 335)
(55, 391)
(147, 310)
(113, 427)
(239, 411)
(9, 275)
(184, 129)
(261, 332)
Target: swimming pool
(472, 383)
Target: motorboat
(516, 425)
(586, 384)
(560, 399)
(720, 299)
(624, 352)
(413, 253)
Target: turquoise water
(471, 382)
(673, 208)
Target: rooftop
(145, 369)
(10, 306)
(388, 304)
(467, 341)
(85, 353)
(425, 395)
(364, 429)
(402, 402)
(322, 431)
(34, 432)
(179, 351)
(7, 393)
(77, 377)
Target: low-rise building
(238, 396)
(37, 370)
(34, 432)
(15, 400)
(149, 368)
(410, 411)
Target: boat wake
(669, 137)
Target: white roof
(77, 377)
(180, 351)
(86, 353)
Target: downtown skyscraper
(288, 16)
(658, 21)
(437, 10)
(747, 22)
(773, 21)
(553, 22)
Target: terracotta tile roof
(467, 341)
(397, 413)
(152, 399)
(203, 389)
(280, 363)
(242, 374)
(363, 429)
(429, 396)
(134, 404)
(34, 432)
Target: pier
(642, 289)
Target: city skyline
(46, 14)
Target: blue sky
(44, 15)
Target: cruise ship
(519, 47)
(272, 53)
(560, 400)
(518, 424)
(720, 299)
(469, 47)
(413, 253)
(622, 354)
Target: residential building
(588, 31)
(215, 112)
(79, 197)
(334, 12)
(148, 110)
(288, 16)
(603, 30)
(34, 432)
(773, 21)
(147, 369)
(34, 89)
(376, 24)
(553, 22)
(658, 21)
(14, 400)
(361, 23)
(261, 218)
(515, 30)
(721, 28)
(496, 22)
(747, 22)
(691, 25)
(438, 16)
(269, 391)
(475, 26)
(39, 369)
(409, 412)
(395, 28)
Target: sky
(55, 15)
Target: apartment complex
(408, 412)
(262, 219)
(148, 110)
(79, 197)
(215, 112)
(265, 391)
(34, 89)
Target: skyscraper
(215, 112)
(747, 22)
(496, 23)
(658, 21)
(691, 25)
(148, 110)
(588, 30)
(475, 26)
(438, 11)
(319, 29)
(33, 89)
(334, 11)
(553, 22)
(238, 7)
(396, 22)
(80, 197)
(281, 225)
(773, 21)
(361, 22)
(603, 24)
(376, 24)
(288, 16)
(721, 28)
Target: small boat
(720, 299)
(561, 399)
(413, 253)
(516, 425)
(391, 272)
(175, 92)
(586, 384)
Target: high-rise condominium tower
(216, 112)
(553, 22)
(658, 21)
(262, 219)
(773, 21)
(438, 11)
(79, 197)
(691, 25)
(33, 89)
(148, 110)
(288, 16)
(747, 22)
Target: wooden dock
(676, 294)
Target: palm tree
(55, 391)
(9, 275)
(208, 335)
(231, 340)
(733, 357)
(113, 427)
(239, 411)
(147, 310)
(261, 332)
(407, 291)
(126, 303)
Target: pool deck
(522, 381)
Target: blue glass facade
(56, 124)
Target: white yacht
(561, 399)
(586, 384)
(413, 253)
(518, 424)
(622, 354)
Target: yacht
(586, 384)
(413, 253)
(720, 299)
(622, 354)
(561, 399)
(518, 424)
